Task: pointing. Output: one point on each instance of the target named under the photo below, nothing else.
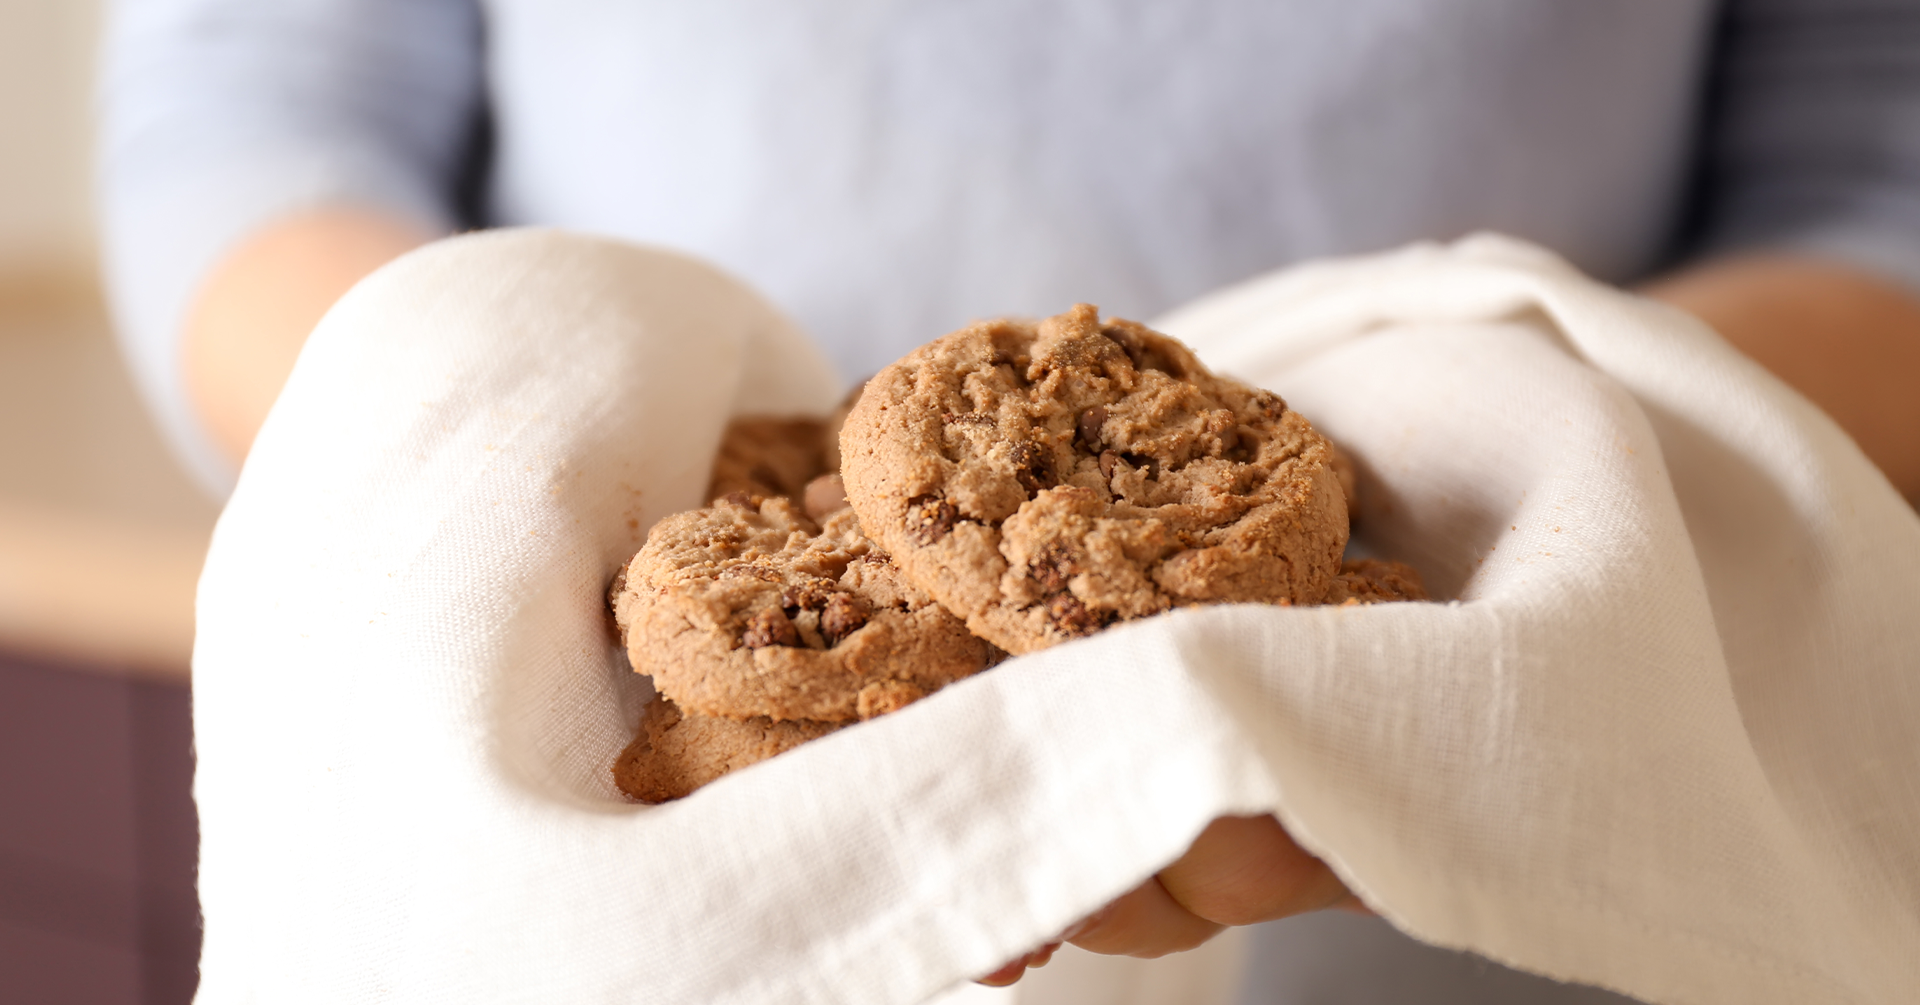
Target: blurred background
(101, 538)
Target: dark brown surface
(98, 839)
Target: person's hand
(1239, 871)
(1847, 339)
(256, 306)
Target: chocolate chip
(1070, 617)
(1090, 422)
(769, 628)
(1052, 566)
(1107, 460)
(1032, 466)
(929, 518)
(1270, 404)
(844, 615)
(811, 595)
(739, 499)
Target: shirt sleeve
(217, 116)
(1813, 140)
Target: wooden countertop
(101, 535)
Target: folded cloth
(1660, 739)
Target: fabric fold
(1657, 739)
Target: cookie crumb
(1372, 581)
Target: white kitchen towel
(1660, 736)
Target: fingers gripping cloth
(1660, 740)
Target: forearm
(255, 309)
(220, 120)
(1847, 340)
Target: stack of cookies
(1002, 489)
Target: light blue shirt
(888, 169)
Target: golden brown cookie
(1044, 480)
(838, 420)
(767, 456)
(676, 753)
(750, 608)
(823, 497)
(1372, 581)
(1348, 477)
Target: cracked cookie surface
(1045, 480)
(751, 608)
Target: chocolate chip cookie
(770, 456)
(838, 420)
(676, 752)
(752, 608)
(1045, 480)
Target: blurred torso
(888, 169)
